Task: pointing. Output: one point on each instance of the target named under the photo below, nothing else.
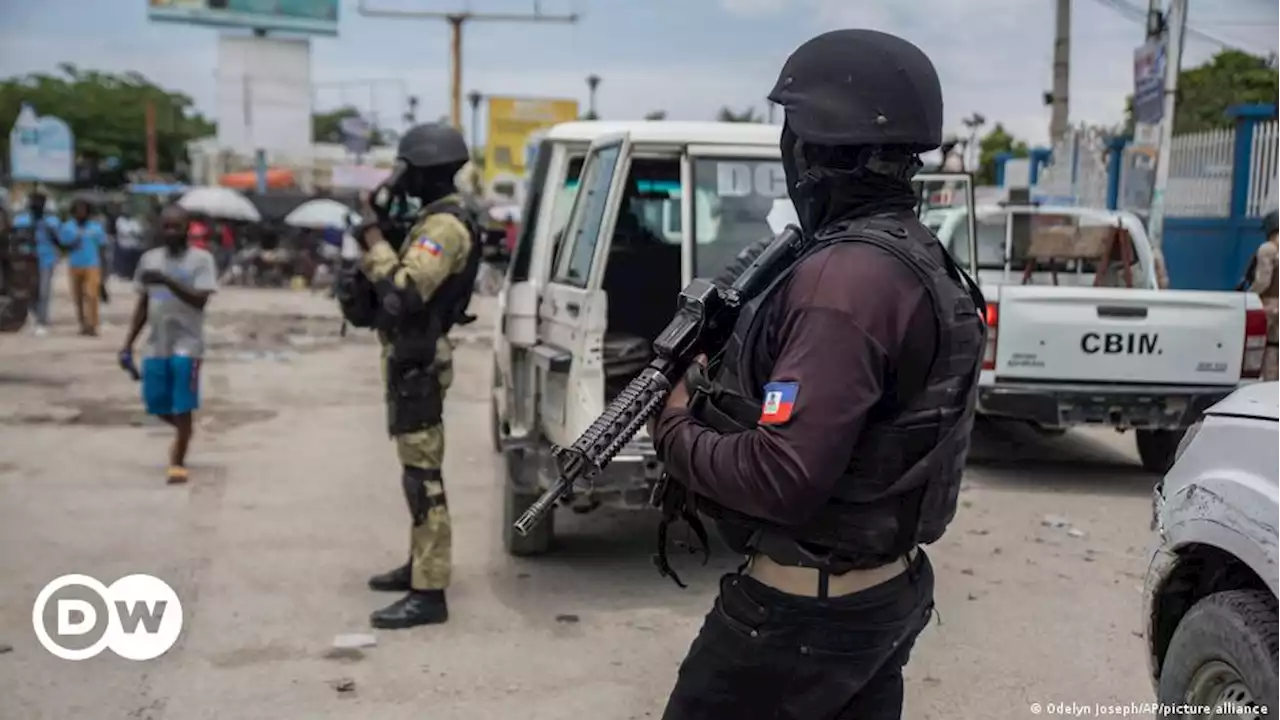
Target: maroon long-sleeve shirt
(852, 329)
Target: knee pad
(416, 496)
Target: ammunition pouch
(415, 400)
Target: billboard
(1148, 83)
(264, 94)
(41, 149)
(512, 122)
(314, 17)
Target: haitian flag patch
(779, 403)
(431, 246)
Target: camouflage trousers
(431, 539)
(1271, 358)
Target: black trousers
(766, 655)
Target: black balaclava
(828, 184)
(430, 183)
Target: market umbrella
(322, 213)
(221, 203)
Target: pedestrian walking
(174, 283)
(829, 438)
(46, 228)
(1265, 283)
(85, 241)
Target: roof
(664, 131)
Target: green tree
(327, 126)
(999, 140)
(728, 114)
(107, 114)
(1231, 77)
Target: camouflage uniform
(435, 249)
(1266, 283)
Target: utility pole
(1177, 30)
(474, 97)
(153, 155)
(593, 82)
(973, 123)
(1058, 98)
(456, 20)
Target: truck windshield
(731, 203)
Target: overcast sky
(687, 57)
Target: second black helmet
(432, 145)
(861, 87)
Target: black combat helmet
(861, 87)
(1271, 223)
(433, 145)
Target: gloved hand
(126, 363)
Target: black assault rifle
(703, 323)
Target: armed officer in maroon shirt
(828, 439)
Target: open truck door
(950, 191)
(573, 311)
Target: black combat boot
(419, 607)
(392, 580)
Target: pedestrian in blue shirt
(85, 241)
(46, 228)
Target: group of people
(82, 240)
(828, 440)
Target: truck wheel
(1223, 651)
(515, 501)
(1157, 447)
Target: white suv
(1210, 600)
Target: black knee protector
(415, 481)
(415, 400)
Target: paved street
(295, 499)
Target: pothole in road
(33, 380)
(215, 417)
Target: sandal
(176, 475)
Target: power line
(1132, 12)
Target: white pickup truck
(1065, 351)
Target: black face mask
(801, 182)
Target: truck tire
(1156, 448)
(1223, 650)
(515, 500)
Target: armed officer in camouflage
(1263, 280)
(413, 285)
(827, 439)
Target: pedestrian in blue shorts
(174, 283)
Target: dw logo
(139, 617)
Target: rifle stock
(702, 324)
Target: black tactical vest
(901, 488)
(453, 297)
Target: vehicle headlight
(1186, 440)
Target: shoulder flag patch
(779, 403)
(426, 243)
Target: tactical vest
(357, 296)
(901, 487)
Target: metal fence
(1200, 174)
(1261, 197)
(1078, 173)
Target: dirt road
(295, 500)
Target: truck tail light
(1255, 343)
(993, 323)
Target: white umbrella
(322, 213)
(220, 202)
